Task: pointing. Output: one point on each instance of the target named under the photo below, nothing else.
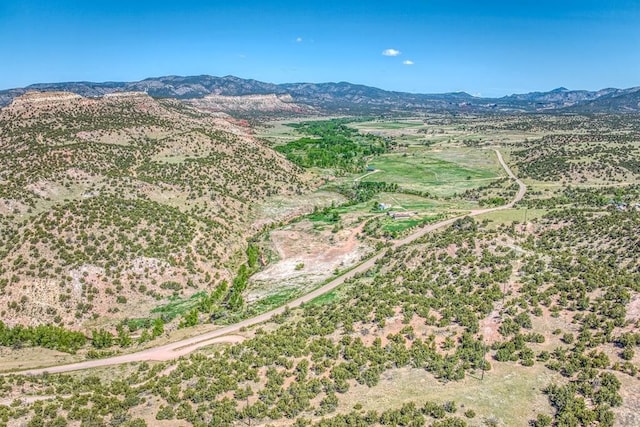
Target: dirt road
(366, 175)
(222, 335)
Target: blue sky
(488, 48)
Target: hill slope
(101, 195)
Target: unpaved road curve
(366, 175)
(222, 335)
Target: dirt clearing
(307, 254)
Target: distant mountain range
(346, 97)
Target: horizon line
(467, 92)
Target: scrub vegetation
(109, 207)
(524, 316)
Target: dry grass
(508, 393)
(627, 414)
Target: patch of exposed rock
(251, 104)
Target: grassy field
(411, 202)
(508, 394)
(404, 202)
(508, 216)
(441, 173)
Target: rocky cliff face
(31, 102)
(271, 103)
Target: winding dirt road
(223, 335)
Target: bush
(542, 421)
(101, 338)
(627, 353)
(174, 286)
(165, 413)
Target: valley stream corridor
(225, 335)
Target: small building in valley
(400, 215)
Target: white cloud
(391, 52)
(298, 39)
(408, 62)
